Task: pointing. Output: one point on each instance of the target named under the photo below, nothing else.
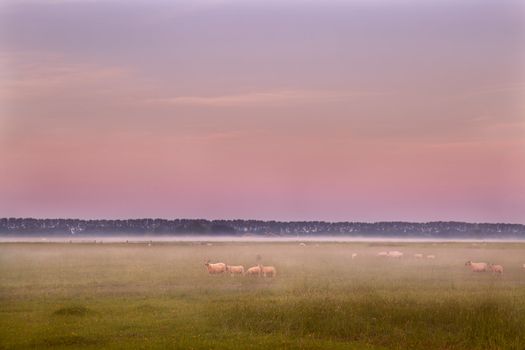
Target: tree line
(443, 229)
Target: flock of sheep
(398, 254)
(483, 266)
(270, 271)
(259, 270)
(474, 266)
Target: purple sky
(288, 110)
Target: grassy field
(135, 296)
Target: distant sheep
(254, 270)
(496, 268)
(235, 270)
(477, 266)
(431, 256)
(216, 268)
(354, 255)
(418, 256)
(395, 254)
(382, 254)
(268, 271)
(302, 244)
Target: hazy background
(286, 110)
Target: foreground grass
(134, 296)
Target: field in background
(160, 296)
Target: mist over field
(325, 295)
(203, 239)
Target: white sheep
(268, 271)
(395, 254)
(215, 268)
(496, 268)
(382, 254)
(418, 256)
(477, 266)
(235, 270)
(254, 270)
(354, 255)
(431, 256)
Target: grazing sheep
(382, 254)
(418, 256)
(524, 266)
(255, 270)
(235, 270)
(395, 254)
(268, 271)
(496, 268)
(477, 266)
(431, 256)
(354, 255)
(302, 244)
(215, 268)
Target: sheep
(382, 254)
(268, 271)
(395, 254)
(496, 268)
(477, 266)
(215, 268)
(524, 266)
(354, 255)
(302, 244)
(418, 256)
(235, 270)
(431, 256)
(254, 270)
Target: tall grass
(395, 323)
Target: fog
(255, 239)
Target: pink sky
(286, 110)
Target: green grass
(131, 296)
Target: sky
(330, 110)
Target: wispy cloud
(25, 77)
(276, 97)
(497, 89)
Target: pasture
(135, 296)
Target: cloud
(31, 75)
(275, 97)
(497, 89)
